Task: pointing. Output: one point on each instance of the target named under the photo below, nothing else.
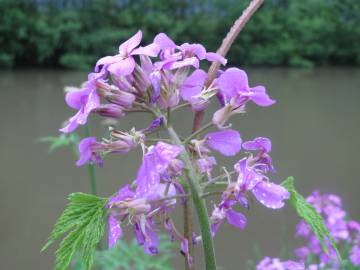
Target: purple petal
(355, 255)
(115, 231)
(129, 45)
(291, 265)
(236, 219)
(122, 194)
(260, 97)
(71, 124)
(164, 42)
(85, 151)
(123, 67)
(155, 79)
(149, 50)
(206, 164)
(227, 142)
(191, 61)
(193, 84)
(75, 99)
(155, 162)
(194, 49)
(258, 144)
(233, 81)
(151, 239)
(185, 251)
(270, 194)
(105, 61)
(215, 57)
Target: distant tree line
(74, 33)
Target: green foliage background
(74, 33)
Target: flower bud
(121, 98)
(110, 110)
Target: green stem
(197, 132)
(200, 206)
(91, 167)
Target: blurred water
(315, 129)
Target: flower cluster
(159, 79)
(345, 232)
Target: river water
(315, 129)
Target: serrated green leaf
(62, 140)
(308, 213)
(128, 256)
(83, 221)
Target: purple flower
(89, 151)
(174, 57)
(233, 84)
(155, 163)
(269, 194)
(263, 146)
(227, 142)
(85, 101)
(235, 92)
(275, 264)
(124, 63)
(206, 165)
(191, 89)
(355, 255)
(224, 211)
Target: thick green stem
(200, 206)
(91, 167)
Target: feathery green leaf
(83, 221)
(308, 213)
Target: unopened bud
(110, 110)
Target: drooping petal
(227, 142)
(149, 50)
(185, 251)
(164, 42)
(71, 124)
(123, 67)
(128, 46)
(115, 231)
(215, 57)
(232, 82)
(236, 219)
(151, 237)
(260, 97)
(271, 195)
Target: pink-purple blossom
(124, 63)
